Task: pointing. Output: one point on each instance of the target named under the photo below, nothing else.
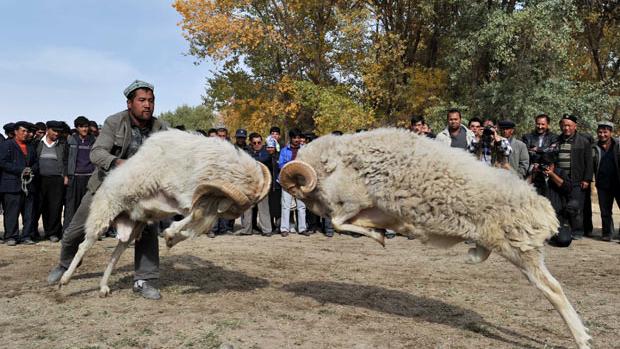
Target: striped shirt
(564, 154)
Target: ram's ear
(220, 189)
(298, 178)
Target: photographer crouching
(551, 182)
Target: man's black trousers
(51, 199)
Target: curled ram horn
(266, 182)
(298, 176)
(220, 188)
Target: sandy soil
(307, 292)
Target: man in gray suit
(120, 138)
(519, 159)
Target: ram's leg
(478, 254)
(532, 265)
(198, 221)
(376, 235)
(89, 241)
(104, 289)
(370, 221)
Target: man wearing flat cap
(241, 137)
(18, 162)
(51, 152)
(519, 158)
(120, 138)
(2, 139)
(607, 174)
(575, 159)
(9, 130)
(79, 166)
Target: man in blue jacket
(18, 161)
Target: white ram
(392, 179)
(173, 172)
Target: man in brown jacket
(121, 136)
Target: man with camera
(606, 152)
(553, 183)
(519, 159)
(489, 147)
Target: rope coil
(26, 178)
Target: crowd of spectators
(45, 169)
(561, 167)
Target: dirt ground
(307, 292)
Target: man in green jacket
(120, 138)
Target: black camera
(543, 167)
(487, 135)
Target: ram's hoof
(104, 291)
(477, 255)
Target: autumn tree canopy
(325, 65)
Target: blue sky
(64, 58)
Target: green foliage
(515, 65)
(330, 108)
(193, 118)
(349, 64)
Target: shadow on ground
(189, 274)
(408, 305)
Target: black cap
(10, 127)
(24, 124)
(31, 127)
(54, 125)
(506, 124)
(572, 118)
(80, 121)
(241, 133)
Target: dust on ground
(307, 292)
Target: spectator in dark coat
(606, 152)
(259, 153)
(275, 193)
(575, 158)
(241, 137)
(587, 197)
(93, 128)
(519, 158)
(2, 139)
(541, 139)
(51, 154)
(39, 133)
(18, 162)
(552, 183)
(79, 168)
(9, 130)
